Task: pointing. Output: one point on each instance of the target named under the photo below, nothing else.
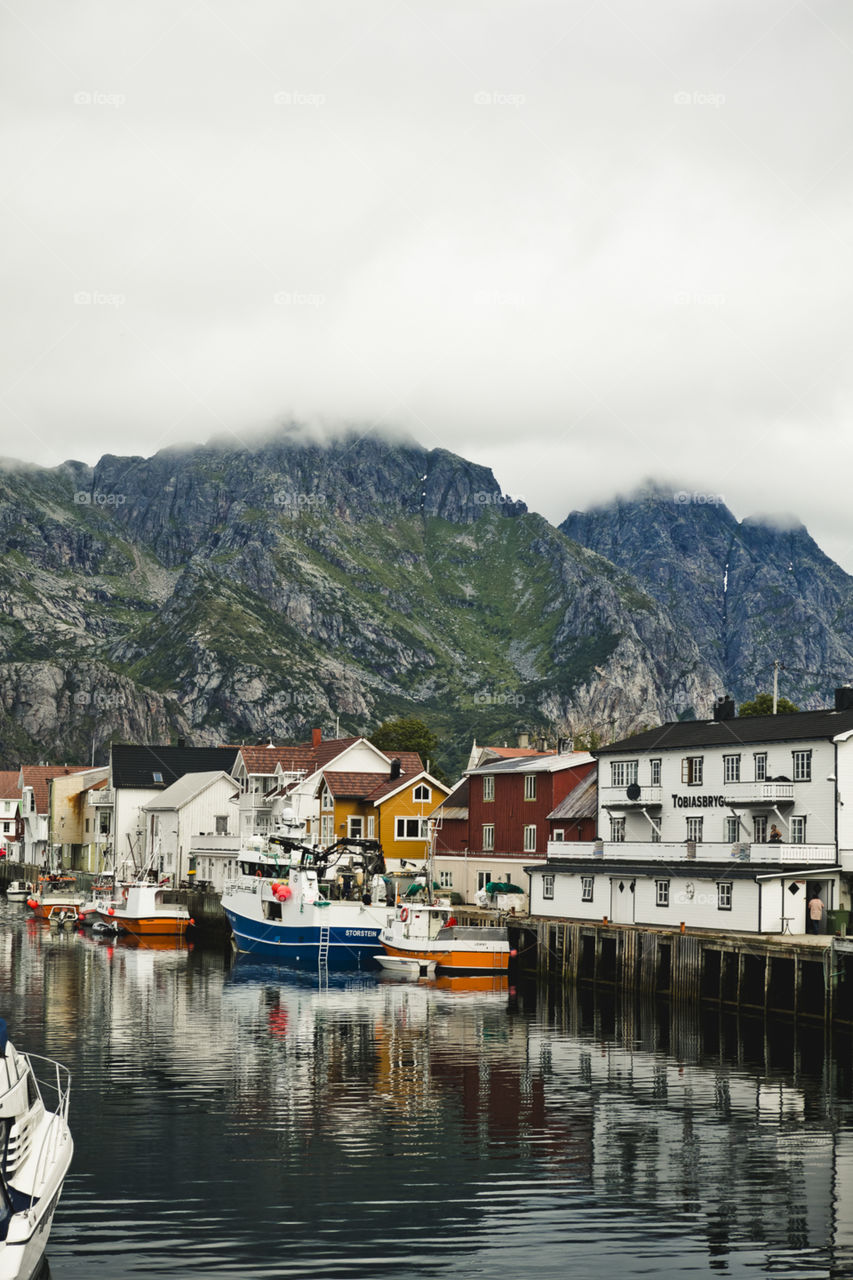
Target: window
(104, 822)
(530, 839)
(760, 766)
(87, 826)
(587, 888)
(483, 878)
(802, 766)
(488, 789)
(731, 828)
(724, 895)
(530, 786)
(654, 766)
(445, 879)
(623, 773)
(422, 792)
(692, 770)
(759, 827)
(221, 824)
(158, 777)
(355, 828)
(548, 888)
(655, 830)
(662, 893)
(410, 828)
(617, 830)
(798, 831)
(488, 836)
(694, 829)
(327, 833)
(731, 768)
(371, 827)
(559, 835)
(262, 824)
(326, 799)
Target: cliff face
(227, 594)
(749, 593)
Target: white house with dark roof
(732, 823)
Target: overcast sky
(584, 243)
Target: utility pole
(775, 685)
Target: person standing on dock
(815, 913)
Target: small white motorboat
(19, 890)
(35, 1153)
(406, 966)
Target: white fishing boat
(406, 966)
(19, 890)
(146, 908)
(35, 1152)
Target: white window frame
(724, 895)
(327, 828)
(488, 843)
(731, 830)
(484, 878)
(587, 888)
(530, 838)
(488, 789)
(760, 764)
(355, 827)
(617, 830)
(693, 770)
(421, 792)
(410, 828)
(445, 879)
(694, 830)
(623, 773)
(731, 768)
(802, 766)
(548, 888)
(326, 801)
(661, 893)
(371, 826)
(530, 786)
(654, 772)
(221, 822)
(759, 828)
(797, 830)
(559, 834)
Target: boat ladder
(323, 953)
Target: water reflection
(234, 1119)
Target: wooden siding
(511, 813)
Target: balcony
(101, 799)
(618, 798)
(669, 851)
(744, 794)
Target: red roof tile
(259, 760)
(352, 786)
(38, 777)
(9, 788)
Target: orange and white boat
(423, 932)
(56, 895)
(147, 909)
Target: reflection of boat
(309, 905)
(37, 1151)
(495, 983)
(424, 931)
(20, 890)
(406, 966)
(148, 909)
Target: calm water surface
(233, 1120)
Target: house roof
(135, 766)
(581, 802)
(10, 788)
(539, 764)
(511, 753)
(38, 777)
(353, 786)
(187, 788)
(455, 805)
(739, 731)
(616, 869)
(263, 760)
(391, 786)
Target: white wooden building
(686, 818)
(192, 829)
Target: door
(622, 900)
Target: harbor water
(232, 1119)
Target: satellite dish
(633, 792)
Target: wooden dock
(800, 976)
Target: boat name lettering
(698, 802)
(359, 933)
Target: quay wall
(809, 976)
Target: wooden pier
(809, 976)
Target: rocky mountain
(231, 593)
(749, 593)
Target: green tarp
(495, 887)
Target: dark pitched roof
(352, 786)
(134, 766)
(741, 730)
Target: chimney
(316, 738)
(565, 746)
(844, 698)
(523, 740)
(724, 709)
(396, 769)
(182, 742)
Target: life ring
(259, 874)
(404, 914)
